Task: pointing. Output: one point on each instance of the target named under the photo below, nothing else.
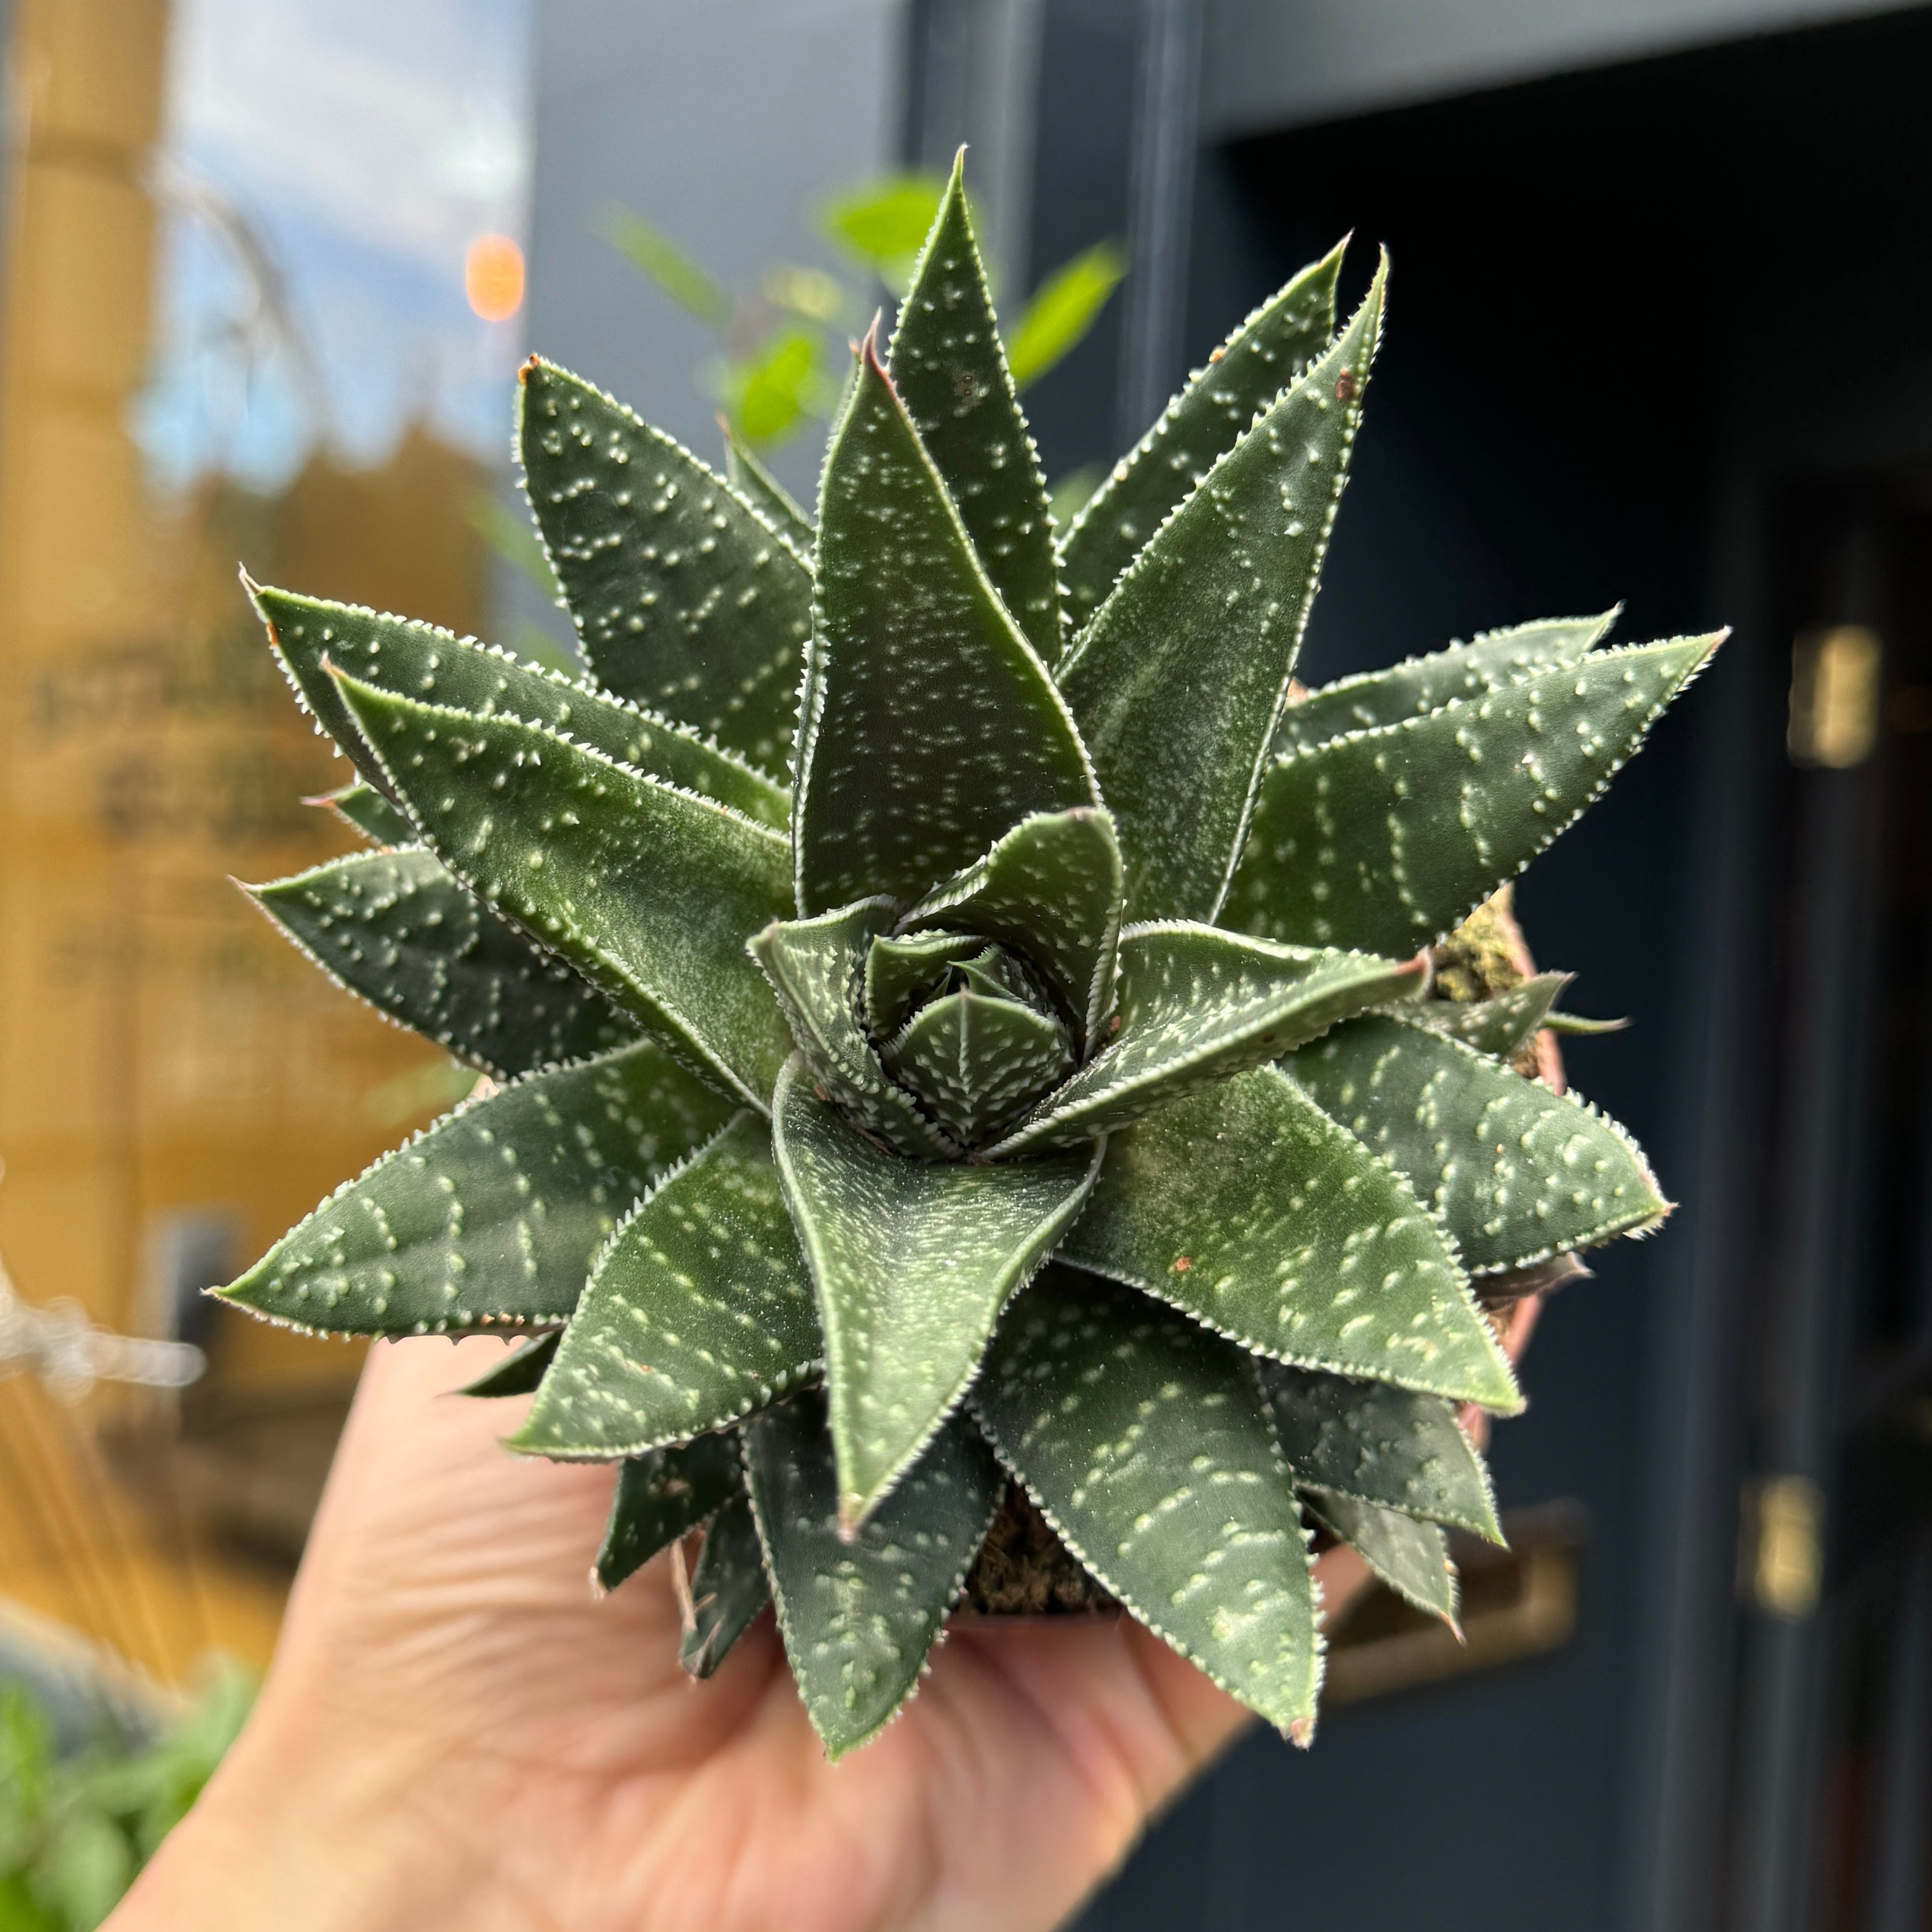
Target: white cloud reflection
(364, 143)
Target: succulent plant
(954, 1032)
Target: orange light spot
(492, 277)
(1182, 1264)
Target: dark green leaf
(428, 666)
(1516, 1173)
(1062, 309)
(1196, 1006)
(686, 599)
(649, 892)
(1411, 1558)
(978, 1062)
(661, 1496)
(1388, 838)
(912, 1262)
(1418, 685)
(493, 1214)
(931, 728)
(1265, 355)
(1179, 679)
(1246, 1206)
(1382, 1445)
(727, 1589)
(520, 1372)
(950, 370)
(746, 472)
(395, 928)
(859, 1611)
(669, 266)
(1051, 888)
(897, 969)
(698, 1310)
(372, 815)
(814, 965)
(1584, 1029)
(1498, 1026)
(1143, 1439)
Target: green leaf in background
(810, 293)
(1062, 309)
(1143, 1439)
(657, 1354)
(859, 1611)
(493, 1214)
(882, 224)
(512, 538)
(669, 267)
(912, 1262)
(782, 381)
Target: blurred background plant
(782, 344)
(78, 1823)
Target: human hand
(455, 1734)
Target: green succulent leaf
(1248, 1208)
(1388, 838)
(976, 1062)
(1198, 1005)
(1267, 354)
(1418, 685)
(686, 599)
(366, 809)
(698, 1311)
(493, 1214)
(662, 1494)
(728, 1588)
(1388, 1446)
(1143, 1439)
(1516, 1173)
(930, 726)
(1411, 1558)
(435, 667)
(898, 970)
(397, 930)
(520, 1372)
(814, 966)
(1500, 1026)
(950, 370)
(1051, 889)
(912, 1262)
(745, 471)
(647, 891)
(860, 1610)
(1178, 681)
